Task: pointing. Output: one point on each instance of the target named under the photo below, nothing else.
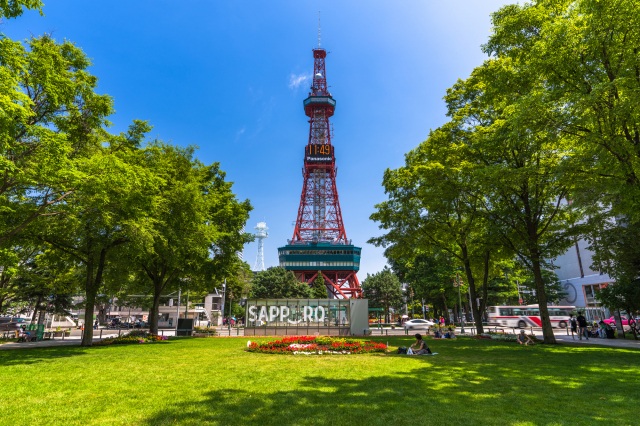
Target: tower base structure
(338, 264)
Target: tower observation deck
(319, 244)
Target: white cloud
(296, 81)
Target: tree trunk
(477, 316)
(90, 300)
(4, 283)
(157, 276)
(485, 283)
(445, 310)
(547, 330)
(155, 308)
(35, 309)
(92, 285)
(89, 304)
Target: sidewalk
(561, 337)
(73, 340)
(618, 342)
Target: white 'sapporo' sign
(283, 313)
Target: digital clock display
(318, 152)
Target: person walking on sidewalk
(574, 326)
(582, 324)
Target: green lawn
(214, 381)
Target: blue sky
(230, 77)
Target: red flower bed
(316, 345)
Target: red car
(612, 321)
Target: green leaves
(13, 8)
(542, 134)
(50, 117)
(383, 290)
(278, 283)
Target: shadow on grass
(536, 387)
(28, 356)
(34, 355)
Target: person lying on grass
(419, 347)
(523, 339)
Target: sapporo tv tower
(319, 244)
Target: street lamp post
(178, 309)
(457, 284)
(224, 297)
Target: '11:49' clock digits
(319, 150)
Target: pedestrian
(574, 326)
(95, 325)
(441, 320)
(582, 325)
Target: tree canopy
(278, 283)
(542, 136)
(108, 208)
(383, 290)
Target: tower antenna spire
(319, 32)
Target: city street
(561, 336)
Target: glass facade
(321, 256)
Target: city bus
(528, 316)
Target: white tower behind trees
(261, 234)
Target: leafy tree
(586, 54)
(623, 295)
(318, 287)
(435, 205)
(430, 277)
(584, 58)
(525, 171)
(239, 285)
(553, 288)
(617, 253)
(9, 264)
(106, 211)
(194, 216)
(13, 8)
(278, 283)
(49, 104)
(383, 290)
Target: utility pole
(224, 296)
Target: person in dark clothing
(574, 326)
(582, 325)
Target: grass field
(214, 381)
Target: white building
(580, 281)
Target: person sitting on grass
(451, 334)
(419, 347)
(523, 339)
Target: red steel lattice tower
(319, 243)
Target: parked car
(418, 324)
(612, 321)
(13, 323)
(10, 326)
